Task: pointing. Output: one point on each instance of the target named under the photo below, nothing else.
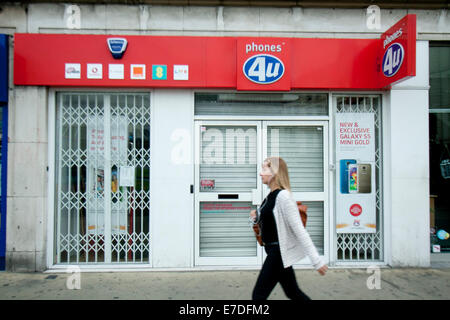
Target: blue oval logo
(263, 69)
(393, 59)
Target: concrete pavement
(347, 284)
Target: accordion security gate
(363, 247)
(102, 178)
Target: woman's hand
(322, 270)
(253, 216)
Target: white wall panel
(172, 207)
(409, 156)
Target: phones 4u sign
(398, 52)
(263, 64)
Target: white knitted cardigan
(295, 242)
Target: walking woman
(285, 239)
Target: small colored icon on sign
(73, 70)
(94, 71)
(116, 71)
(137, 71)
(355, 210)
(159, 72)
(180, 72)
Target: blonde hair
(279, 170)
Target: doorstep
(440, 260)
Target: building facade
(162, 176)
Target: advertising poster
(355, 173)
(96, 176)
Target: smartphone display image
(364, 176)
(343, 164)
(353, 178)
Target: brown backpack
(301, 209)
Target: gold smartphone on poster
(365, 178)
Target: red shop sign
(242, 63)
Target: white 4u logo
(392, 59)
(263, 69)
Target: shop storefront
(439, 146)
(303, 129)
(155, 143)
(4, 79)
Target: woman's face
(265, 174)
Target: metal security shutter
(224, 230)
(228, 161)
(228, 156)
(302, 147)
(314, 224)
(273, 104)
